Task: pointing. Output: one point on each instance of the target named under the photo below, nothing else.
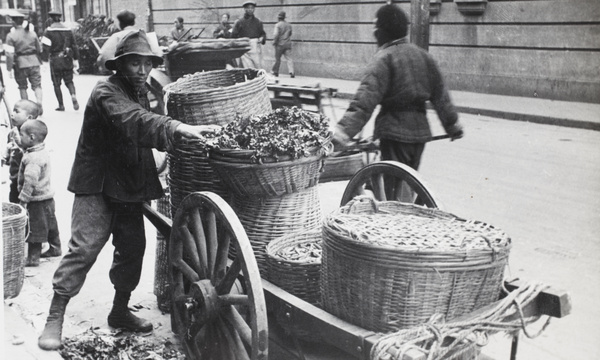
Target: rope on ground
(439, 340)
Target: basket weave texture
(269, 218)
(338, 168)
(215, 97)
(161, 261)
(246, 179)
(14, 223)
(299, 277)
(190, 171)
(389, 266)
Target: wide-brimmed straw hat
(134, 43)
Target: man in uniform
(113, 174)
(58, 41)
(23, 55)
(251, 27)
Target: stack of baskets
(14, 223)
(209, 98)
(271, 199)
(389, 266)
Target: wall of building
(532, 48)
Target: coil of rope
(439, 340)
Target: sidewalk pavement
(536, 110)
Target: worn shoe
(60, 108)
(292, 75)
(75, 105)
(126, 320)
(50, 339)
(52, 252)
(274, 74)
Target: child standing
(22, 111)
(36, 193)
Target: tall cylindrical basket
(14, 224)
(209, 98)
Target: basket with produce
(273, 154)
(390, 265)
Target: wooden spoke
(221, 260)
(237, 321)
(191, 252)
(235, 299)
(229, 279)
(195, 224)
(186, 270)
(211, 240)
(378, 185)
(205, 296)
(391, 180)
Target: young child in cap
(35, 191)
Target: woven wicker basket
(190, 171)
(161, 261)
(298, 277)
(246, 179)
(386, 286)
(14, 223)
(341, 167)
(269, 218)
(215, 97)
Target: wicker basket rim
(178, 87)
(276, 244)
(12, 217)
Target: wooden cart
(221, 308)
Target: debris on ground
(98, 344)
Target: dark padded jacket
(114, 152)
(402, 78)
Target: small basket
(298, 277)
(389, 266)
(337, 168)
(246, 179)
(215, 97)
(14, 224)
(266, 219)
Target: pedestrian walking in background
(401, 78)
(282, 40)
(13, 154)
(24, 57)
(251, 27)
(113, 175)
(36, 193)
(179, 33)
(59, 43)
(224, 29)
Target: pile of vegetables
(284, 132)
(98, 344)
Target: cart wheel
(390, 180)
(213, 317)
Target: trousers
(406, 153)
(94, 219)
